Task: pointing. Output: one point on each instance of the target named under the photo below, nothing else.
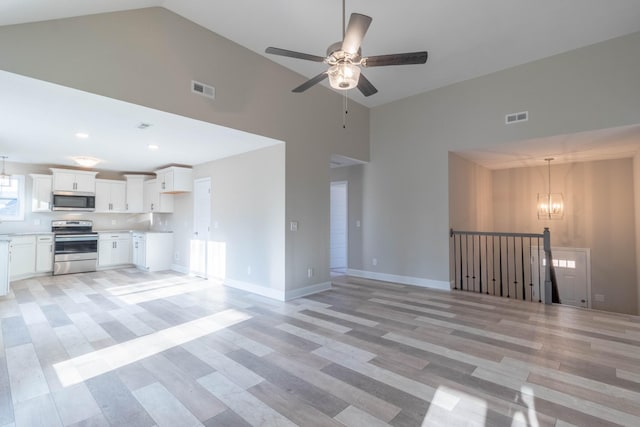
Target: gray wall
(599, 214)
(149, 56)
(406, 212)
(470, 195)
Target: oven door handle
(76, 238)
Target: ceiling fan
(345, 58)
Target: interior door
(201, 226)
(572, 267)
(338, 227)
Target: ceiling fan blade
(395, 59)
(292, 54)
(314, 81)
(365, 86)
(357, 28)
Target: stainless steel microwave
(73, 201)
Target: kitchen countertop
(132, 231)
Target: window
(12, 200)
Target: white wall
(247, 204)
(406, 215)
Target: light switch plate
(293, 226)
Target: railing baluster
(503, 261)
(530, 274)
(539, 273)
(460, 245)
(466, 247)
(500, 243)
(493, 264)
(455, 264)
(524, 289)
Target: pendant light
(550, 205)
(5, 179)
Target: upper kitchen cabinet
(174, 179)
(110, 195)
(154, 200)
(40, 193)
(74, 180)
(135, 193)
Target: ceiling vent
(203, 89)
(516, 117)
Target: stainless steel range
(76, 247)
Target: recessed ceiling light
(152, 147)
(82, 135)
(85, 161)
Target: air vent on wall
(203, 89)
(516, 117)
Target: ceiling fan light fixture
(344, 76)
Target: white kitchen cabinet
(5, 243)
(44, 253)
(152, 250)
(23, 256)
(110, 195)
(175, 179)
(41, 193)
(114, 249)
(74, 180)
(138, 251)
(135, 193)
(154, 201)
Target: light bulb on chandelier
(550, 205)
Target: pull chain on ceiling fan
(345, 58)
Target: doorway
(338, 256)
(201, 227)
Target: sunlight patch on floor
(90, 365)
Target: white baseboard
(180, 268)
(307, 290)
(276, 293)
(256, 289)
(405, 280)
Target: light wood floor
(127, 348)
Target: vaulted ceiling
(464, 38)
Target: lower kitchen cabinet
(114, 249)
(4, 266)
(23, 256)
(44, 254)
(152, 250)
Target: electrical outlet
(309, 272)
(357, 223)
(374, 261)
(176, 256)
